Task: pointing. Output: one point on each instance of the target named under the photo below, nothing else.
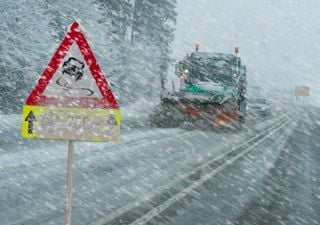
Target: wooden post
(69, 183)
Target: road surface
(277, 182)
(224, 178)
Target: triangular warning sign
(73, 77)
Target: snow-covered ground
(107, 176)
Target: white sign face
(73, 78)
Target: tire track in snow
(120, 211)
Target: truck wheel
(241, 119)
(165, 116)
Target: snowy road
(111, 181)
(275, 182)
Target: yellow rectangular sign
(85, 124)
(302, 91)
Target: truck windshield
(216, 70)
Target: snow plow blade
(189, 113)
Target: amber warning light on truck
(197, 46)
(236, 50)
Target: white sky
(279, 40)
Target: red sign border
(36, 96)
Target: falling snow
(179, 171)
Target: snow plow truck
(211, 94)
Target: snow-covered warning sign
(72, 99)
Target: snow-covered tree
(140, 33)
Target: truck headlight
(234, 75)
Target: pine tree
(13, 66)
(139, 33)
(116, 16)
(153, 32)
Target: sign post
(72, 101)
(69, 183)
